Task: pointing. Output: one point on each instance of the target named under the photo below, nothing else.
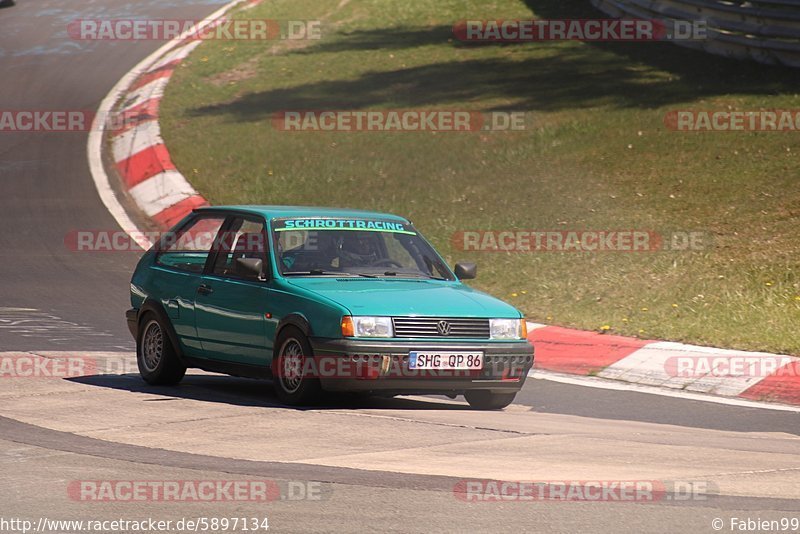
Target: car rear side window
(188, 249)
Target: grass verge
(595, 156)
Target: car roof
(271, 212)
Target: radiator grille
(441, 327)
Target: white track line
(94, 147)
(601, 383)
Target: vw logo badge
(444, 328)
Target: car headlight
(507, 329)
(367, 327)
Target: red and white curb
(139, 153)
(757, 376)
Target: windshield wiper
(411, 275)
(431, 277)
(322, 272)
(315, 272)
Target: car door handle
(205, 289)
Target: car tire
(481, 399)
(289, 369)
(157, 359)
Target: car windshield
(354, 247)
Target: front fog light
(372, 327)
(506, 328)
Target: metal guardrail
(767, 31)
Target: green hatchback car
(321, 299)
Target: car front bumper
(382, 366)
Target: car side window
(188, 249)
(244, 239)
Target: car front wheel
(291, 369)
(488, 400)
(158, 362)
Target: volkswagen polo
(321, 299)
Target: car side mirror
(466, 270)
(250, 266)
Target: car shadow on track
(249, 392)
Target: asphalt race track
(353, 465)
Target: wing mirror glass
(466, 270)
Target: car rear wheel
(480, 399)
(156, 357)
(291, 369)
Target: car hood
(388, 297)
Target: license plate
(445, 360)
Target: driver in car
(357, 249)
